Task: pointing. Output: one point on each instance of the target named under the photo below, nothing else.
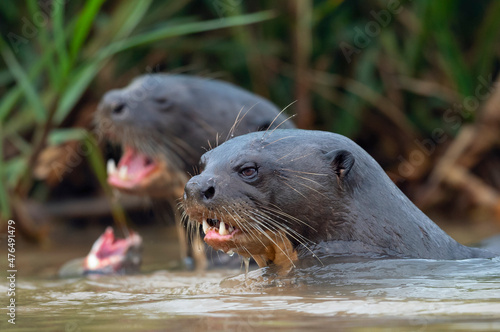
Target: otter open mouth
(219, 235)
(133, 168)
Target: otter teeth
(111, 167)
(122, 172)
(230, 229)
(205, 226)
(222, 228)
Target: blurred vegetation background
(413, 82)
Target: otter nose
(115, 106)
(209, 192)
(117, 109)
(200, 189)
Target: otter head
(163, 123)
(148, 119)
(267, 194)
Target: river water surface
(397, 295)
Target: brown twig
(464, 153)
(302, 13)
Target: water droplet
(246, 261)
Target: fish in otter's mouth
(219, 234)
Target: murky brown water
(399, 295)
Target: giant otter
(283, 195)
(164, 124)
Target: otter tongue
(133, 167)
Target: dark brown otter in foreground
(284, 195)
(164, 124)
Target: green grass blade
(63, 135)
(172, 31)
(487, 40)
(5, 77)
(83, 76)
(8, 101)
(14, 169)
(134, 17)
(83, 25)
(59, 38)
(23, 80)
(44, 42)
(97, 164)
(125, 19)
(451, 57)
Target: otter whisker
(286, 155)
(275, 118)
(290, 117)
(315, 182)
(256, 226)
(251, 228)
(291, 233)
(298, 192)
(285, 216)
(188, 149)
(231, 130)
(248, 252)
(303, 156)
(279, 139)
(247, 229)
(175, 154)
(267, 217)
(301, 172)
(274, 242)
(243, 227)
(237, 123)
(309, 187)
(209, 128)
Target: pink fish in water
(108, 255)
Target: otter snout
(200, 189)
(114, 107)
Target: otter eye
(248, 172)
(164, 103)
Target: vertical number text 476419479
(11, 271)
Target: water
(380, 295)
(399, 295)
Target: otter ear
(341, 161)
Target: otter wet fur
(164, 123)
(281, 196)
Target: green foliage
(397, 83)
(54, 56)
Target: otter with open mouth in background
(281, 196)
(164, 123)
